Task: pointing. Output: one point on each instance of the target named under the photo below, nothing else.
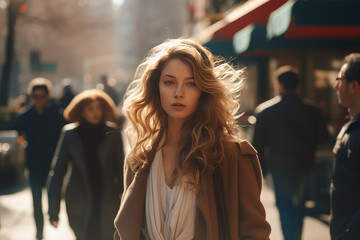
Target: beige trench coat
(242, 186)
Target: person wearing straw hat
(92, 146)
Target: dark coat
(70, 156)
(345, 190)
(242, 182)
(42, 131)
(291, 129)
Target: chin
(95, 122)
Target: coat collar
(133, 205)
(202, 203)
(77, 144)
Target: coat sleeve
(128, 178)
(352, 230)
(119, 163)
(252, 219)
(56, 176)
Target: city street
(282, 68)
(17, 222)
(313, 229)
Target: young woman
(93, 148)
(188, 175)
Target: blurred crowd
(74, 142)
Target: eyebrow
(168, 75)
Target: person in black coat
(289, 130)
(40, 124)
(93, 147)
(345, 195)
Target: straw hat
(73, 112)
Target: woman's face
(179, 94)
(93, 112)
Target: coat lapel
(132, 211)
(77, 151)
(105, 148)
(203, 207)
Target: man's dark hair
(288, 77)
(353, 70)
(40, 87)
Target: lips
(178, 105)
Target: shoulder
(354, 131)
(28, 112)
(111, 126)
(68, 133)
(246, 148)
(70, 128)
(242, 155)
(268, 105)
(112, 130)
(240, 148)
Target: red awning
(315, 20)
(323, 32)
(267, 25)
(250, 12)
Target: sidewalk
(313, 229)
(17, 222)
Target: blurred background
(85, 40)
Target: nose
(336, 87)
(179, 91)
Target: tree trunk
(9, 55)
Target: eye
(191, 84)
(168, 82)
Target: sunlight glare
(118, 2)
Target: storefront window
(325, 95)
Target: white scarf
(173, 219)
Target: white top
(170, 213)
(169, 192)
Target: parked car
(12, 159)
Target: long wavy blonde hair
(211, 126)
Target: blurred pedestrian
(92, 146)
(67, 93)
(345, 195)
(188, 175)
(286, 134)
(41, 125)
(109, 89)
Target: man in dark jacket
(345, 194)
(41, 125)
(286, 134)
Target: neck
(354, 111)
(355, 108)
(288, 92)
(173, 133)
(38, 109)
